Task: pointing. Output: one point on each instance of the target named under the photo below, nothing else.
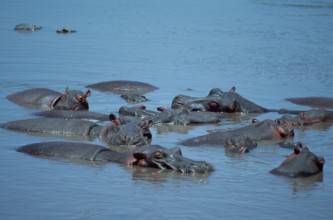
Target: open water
(268, 49)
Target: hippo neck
(113, 156)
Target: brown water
(269, 50)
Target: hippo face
(172, 159)
(130, 133)
(72, 100)
(301, 163)
(239, 144)
(305, 118)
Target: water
(269, 50)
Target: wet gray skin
(68, 114)
(315, 102)
(27, 27)
(301, 163)
(258, 131)
(154, 156)
(239, 144)
(49, 99)
(135, 133)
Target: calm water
(270, 50)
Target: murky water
(270, 50)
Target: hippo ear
(141, 107)
(88, 93)
(114, 119)
(233, 89)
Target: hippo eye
(158, 155)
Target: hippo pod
(117, 132)
(49, 99)
(146, 156)
(258, 131)
(300, 163)
(217, 101)
(27, 27)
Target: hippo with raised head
(49, 99)
(307, 118)
(300, 163)
(145, 156)
(24, 27)
(315, 102)
(218, 101)
(123, 87)
(133, 133)
(258, 131)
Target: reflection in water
(305, 184)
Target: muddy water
(269, 50)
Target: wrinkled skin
(154, 156)
(217, 101)
(27, 27)
(123, 87)
(315, 102)
(65, 31)
(300, 163)
(49, 99)
(239, 144)
(306, 118)
(258, 131)
(115, 133)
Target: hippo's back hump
(34, 98)
(65, 150)
(123, 87)
(316, 102)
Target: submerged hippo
(258, 131)
(146, 156)
(123, 87)
(315, 102)
(134, 98)
(306, 118)
(27, 27)
(239, 144)
(49, 99)
(132, 133)
(300, 163)
(218, 101)
(179, 116)
(65, 31)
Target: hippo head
(239, 144)
(274, 129)
(163, 158)
(129, 133)
(300, 163)
(72, 100)
(304, 118)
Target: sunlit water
(270, 50)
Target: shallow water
(269, 50)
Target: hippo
(179, 116)
(71, 114)
(301, 163)
(154, 156)
(239, 144)
(134, 133)
(27, 27)
(65, 31)
(48, 99)
(307, 118)
(269, 130)
(123, 87)
(315, 102)
(218, 101)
